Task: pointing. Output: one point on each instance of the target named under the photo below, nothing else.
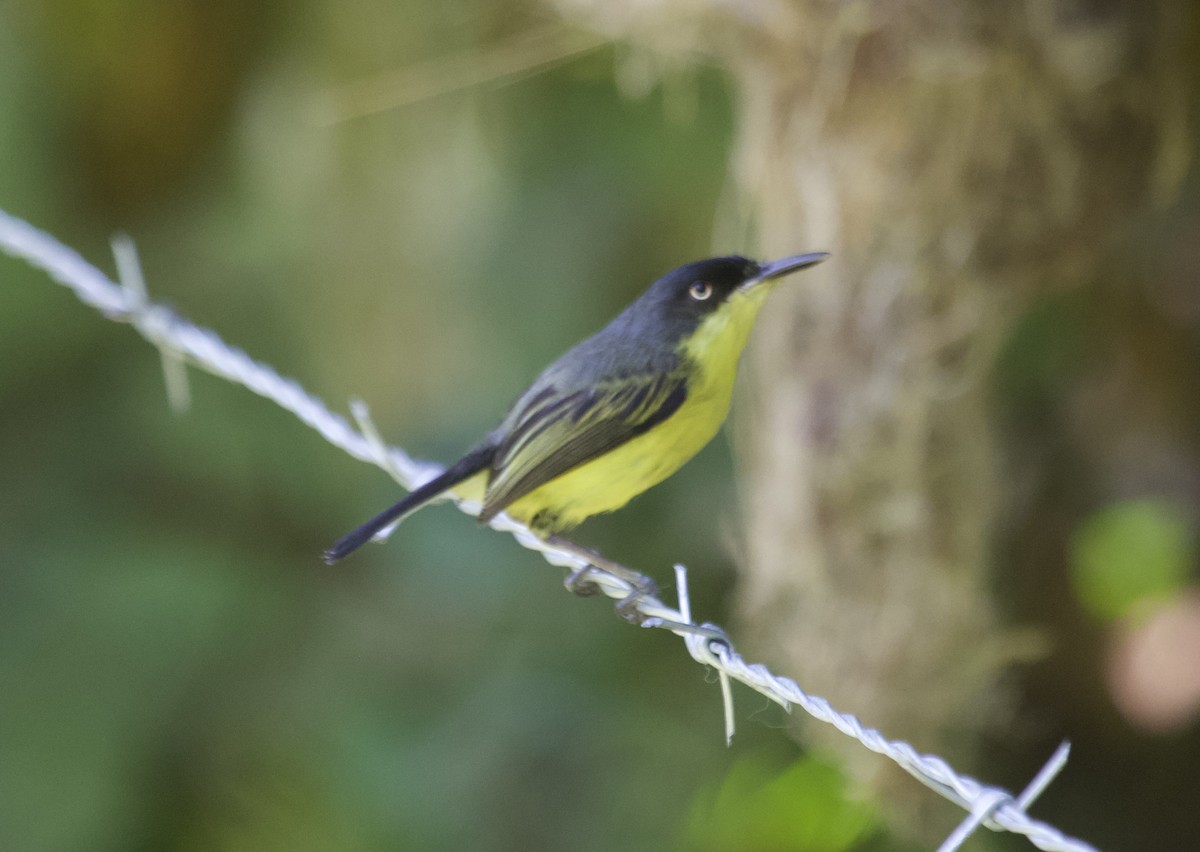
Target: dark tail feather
(465, 468)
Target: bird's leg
(640, 585)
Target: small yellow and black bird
(616, 414)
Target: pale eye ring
(700, 291)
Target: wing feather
(561, 430)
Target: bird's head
(711, 302)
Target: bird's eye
(700, 291)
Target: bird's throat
(717, 343)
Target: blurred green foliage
(1130, 554)
(757, 807)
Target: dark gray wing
(556, 430)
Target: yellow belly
(613, 479)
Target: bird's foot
(627, 607)
(577, 581)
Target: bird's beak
(779, 268)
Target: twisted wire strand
(177, 339)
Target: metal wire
(180, 341)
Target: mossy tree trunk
(957, 160)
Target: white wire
(178, 339)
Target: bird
(617, 413)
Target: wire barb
(983, 808)
(129, 274)
(383, 458)
(714, 634)
(181, 342)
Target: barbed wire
(181, 342)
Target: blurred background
(420, 205)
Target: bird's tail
(469, 465)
